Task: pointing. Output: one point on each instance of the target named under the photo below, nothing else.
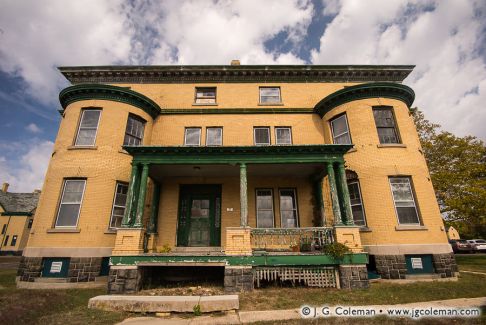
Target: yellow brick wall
(16, 227)
(373, 166)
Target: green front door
(199, 223)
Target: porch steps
(164, 304)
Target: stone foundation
(353, 276)
(127, 280)
(391, 266)
(84, 269)
(30, 268)
(238, 279)
(445, 265)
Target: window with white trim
(205, 95)
(385, 125)
(264, 208)
(134, 131)
(261, 136)
(88, 127)
(192, 137)
(270, 95)
(288, 208)
(340, 130)
(283, 135)
(70, 205)
(214, 136)
(119, 204)
(404, 200)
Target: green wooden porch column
(141, 196)
(243, 196)
(348, 212)
(334, 195)
(132, 194)
(320, 200)
(154, 210)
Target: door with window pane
(288, 208)
(264, 207)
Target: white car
(478, 245)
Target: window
(119, 203)
(288, 208)
(4, 228)
(134, 131)
(261, 136)
(214, 136)
(206, 95)
(70, 206)
(14, 240)
(356, 199)
(404, 200)
(283, 135)
(340, 130)
(192, 137)
(270, 95)
(385, 125)
(88, 127)
(29, 225)
(264, 207)
(6, 240)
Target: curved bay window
(356, 199)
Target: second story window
(340, 130)
(385, 125)
(270, 95)
(88, 126)
(261, 136)
(214, 136)
(192, 137)
(283, 135)
(134, 131)
(206, 95)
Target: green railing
(308, 239)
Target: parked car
(461, 246)
(478, 245)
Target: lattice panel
(322, 277)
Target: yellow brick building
(254, 170)
(16, 218)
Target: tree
(457, 167)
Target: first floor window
(134, 131)
(261, 136)
(4, 228)
(214, 136)
(283, 135)
(404, 200)
(264, 207)
(385, 125)
(340, 130)
(119, 204)
(6, 240)
(288, 208)
(70, 205)
(192, 137)
(88, 126)
(14, 240)
(356, 202)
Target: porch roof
(238, 154)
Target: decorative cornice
(241, 73)
(108, 92)
(363, 91)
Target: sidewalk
(245, 317)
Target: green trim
(107, 92)
(363, 91)
(189, 111)
(240, 154)
(7, 213)
(260, 260)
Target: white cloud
(28, 173)
(32, 127)
(442, 38)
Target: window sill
(391, 145)
(271, 104)
(364, 229)
(110, 231)
(412, 227)
(82, 148)
(123, 151)
(204, 104)
(63, 230)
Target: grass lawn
(471, 262)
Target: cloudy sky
(446, 40)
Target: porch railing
(308, 239)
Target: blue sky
(445, 39)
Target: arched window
(356, 199)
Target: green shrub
(336, 250)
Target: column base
(129, 241)
(349, 236)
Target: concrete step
(51, 280)
(164, 304)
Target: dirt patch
(200, 290)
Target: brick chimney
(5, 187)
(235, 62)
